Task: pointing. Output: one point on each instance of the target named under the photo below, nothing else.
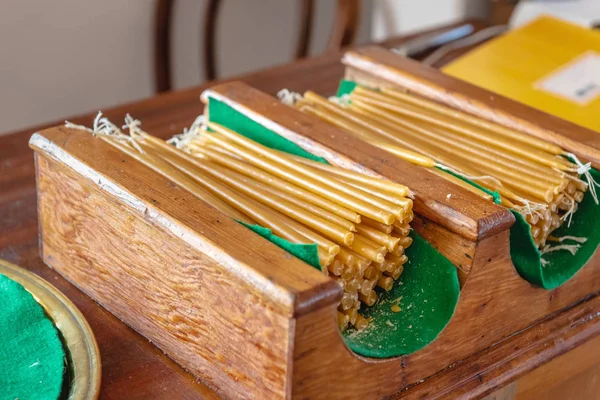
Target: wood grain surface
(134, 368)
(493, 292)
(195, 312)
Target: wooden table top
(133, 368)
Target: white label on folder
(578, 81)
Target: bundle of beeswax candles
(359, 223)
(538, 179)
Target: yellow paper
(548, 64)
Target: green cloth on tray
(429, 281)
(31, 352)
(559, 266)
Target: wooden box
(254, 322)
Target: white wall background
(65, 57)
(394, 17)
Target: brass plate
(77, 334)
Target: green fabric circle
(31, 352)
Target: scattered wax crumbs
(410, 327)
(395, 308)
(389, 323)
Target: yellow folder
(548, 64)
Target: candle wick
(182, 140)
(288, 97)
(584, 169)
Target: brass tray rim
(76, 331)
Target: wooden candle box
(254, 322)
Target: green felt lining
(31, 352)
(560, 265)
(305, 252)
(430, 281)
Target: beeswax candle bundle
(538, 180)
(360, 235)
(359, 223)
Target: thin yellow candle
(180, 179)
(398, 259)
(378, 237)
(386, 283)
(504, 175)
(410, 156)
(407, 155)
(368, 300)
(278, 223)
(342, 320)
(371, 272)
(386, 185)
(368, 249)
(349, 272)
(526, 167)
(345, 196)
(525, 151)
(479, 122)
(352, 315)
(395, 274)
(362, 188)
(324, 258)
(321, 213)
(405, 203)
(271, 180)
(361, 322)
(244, 185)
(401, 230)
(387, 229)
(283, 161)
(406, 242)
(414, 141)
(500, 160)
(336, 267)
(367, 287)
(312, 236)
(362, 262)
(577, 183)
(373, 133)
(353, 285)
(297, 233)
